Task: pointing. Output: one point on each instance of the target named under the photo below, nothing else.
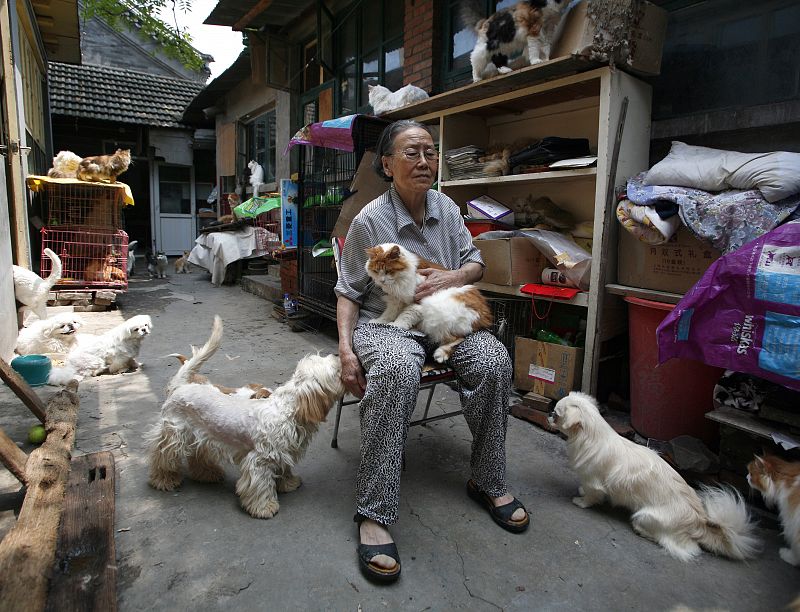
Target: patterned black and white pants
(393, 360)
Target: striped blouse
(443, 239)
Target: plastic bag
(744, 313)
(560, 250)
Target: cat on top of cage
(100, 168)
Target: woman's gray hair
(385, 144)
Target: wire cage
(90, 205)
(90, 258)
(324, 183)
(512, 318)
(268, 230)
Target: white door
(174, 203)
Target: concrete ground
(196, 549)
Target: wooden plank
(85, 571)
(552, 175)
(27, 551)
(739, 419)
(22, 390)
(494, 86)
(12, 457)
(580, 299)
(645, 294)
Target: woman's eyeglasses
(413, 155)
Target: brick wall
(422, 47)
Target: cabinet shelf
(520, 108)
(580, 299)
(518, 179)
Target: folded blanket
(727, 219)
(645, 223)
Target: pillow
(776, 175)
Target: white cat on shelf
(384, 101)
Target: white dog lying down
(665, 508)
(53, 335)
(113, 352)
(264, 437)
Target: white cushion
(776, 175)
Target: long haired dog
(113, 352)
(264, 437)
(53, 335)
(665, 508)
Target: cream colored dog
(112, 352)
(264, 437)
(53, 335)
(665, 508)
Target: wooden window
(456, 68)
(260, 142)
(368, 45)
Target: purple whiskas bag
(744, 314)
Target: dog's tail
(198, 358)
(470, 14)
(55, 273)
(729, 528)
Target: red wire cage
(268, 230)
(90, 258)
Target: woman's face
(413, 161)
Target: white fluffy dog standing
(53, 335)
(264, 437)
(665, 508)
(113, 352)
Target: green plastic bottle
(545, 335)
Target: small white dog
(665, 508)
(264, 437)
(53, 335)
(112, 352)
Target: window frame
(450, 78)
(356, 11)
(248, 149)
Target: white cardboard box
(485, 207)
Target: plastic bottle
(287, 304)
(545, 335)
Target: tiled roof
(116, 94)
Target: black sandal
(500, 514)
(366, 552)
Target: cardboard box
(548, 369)
(511, 261)
(673, 267)
(366, 186)
(485, 207)
(646, 38)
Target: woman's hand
(352, 374)
(436, 280)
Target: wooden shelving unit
(584, 105)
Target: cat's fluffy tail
(198, 358)
(728, 529)
(55, 273)
(470, 14)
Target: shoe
(366, 552)
(500, 514)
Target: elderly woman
(381, 364)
